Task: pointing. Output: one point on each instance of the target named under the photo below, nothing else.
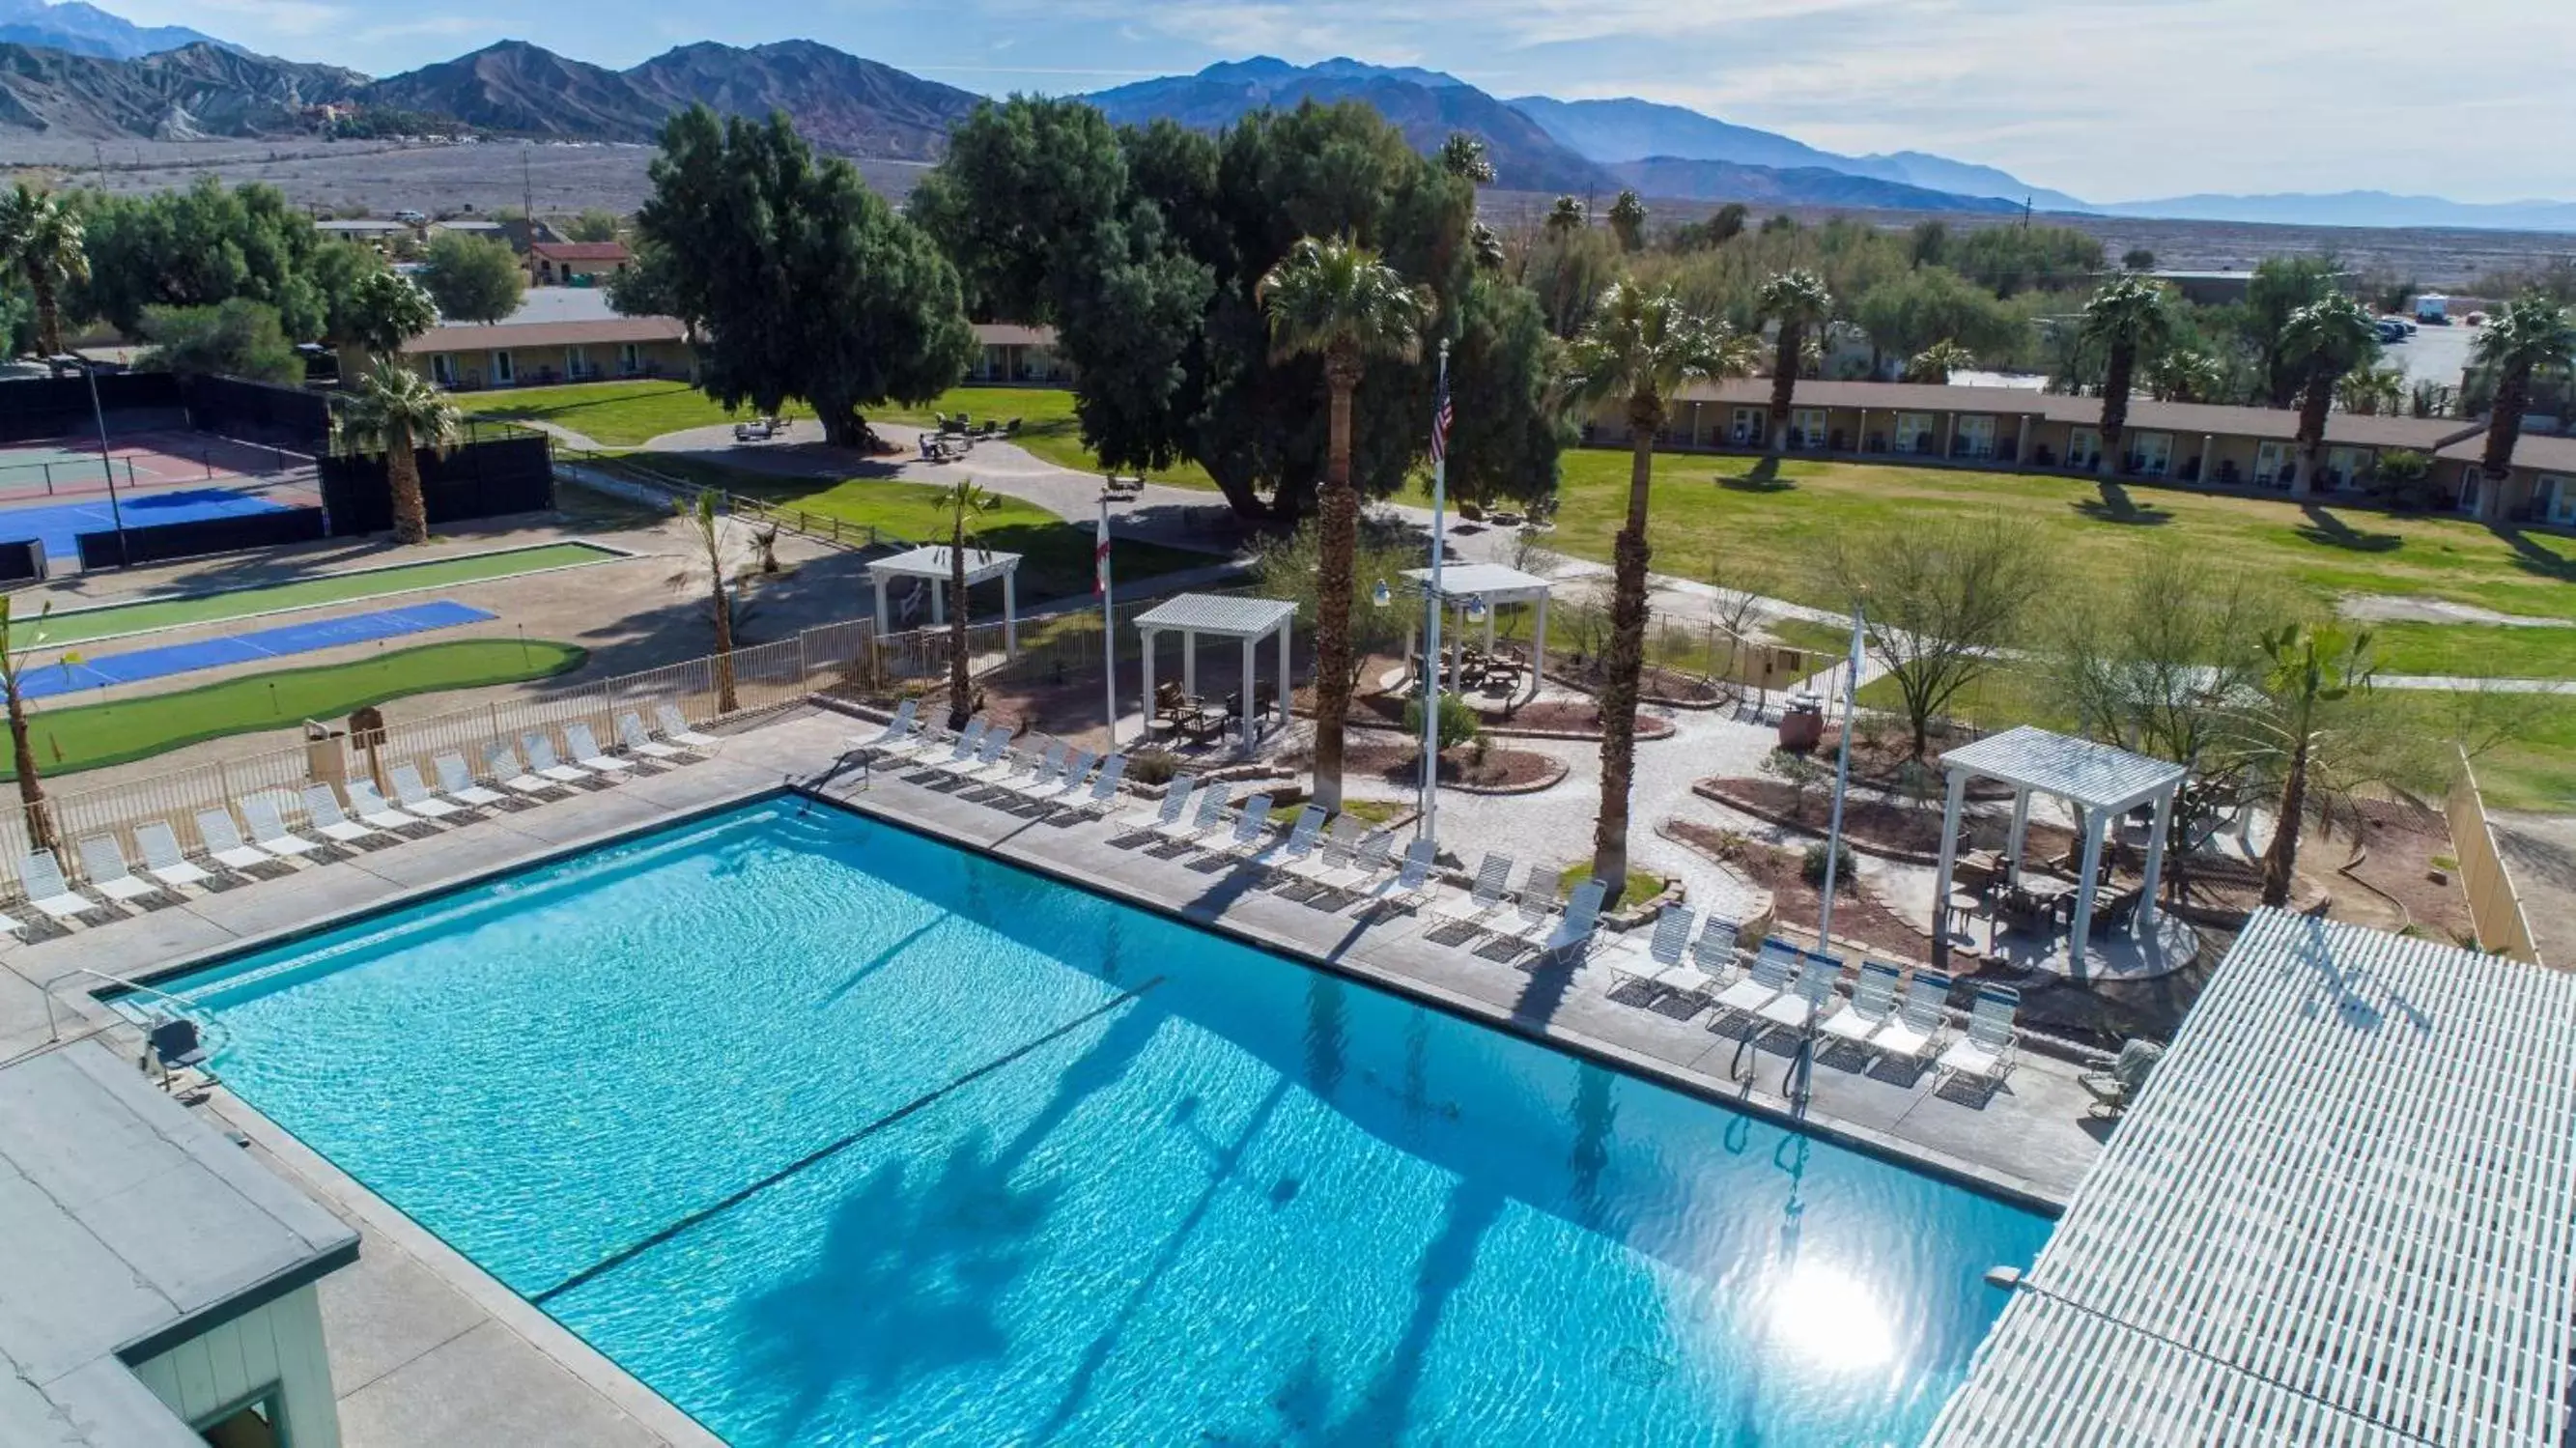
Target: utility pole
(527, 195)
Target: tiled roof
(2549, 454)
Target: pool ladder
(179, 1005)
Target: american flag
(1442, 414)
(1100, 556)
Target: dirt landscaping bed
(1543, 718)
(1795, 903)
(1876, 826)
(1489, 770)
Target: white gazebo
(931, 565)
(1496, 584)
(2104, 782)
(1245, 620)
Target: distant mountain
(192, 93)
(517, 87)
(1426, 105)
(1693, 180)
(87, 30)
(1628, 129)
(2358, 208)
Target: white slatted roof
(2343, 1212)
(1493, 582)
(982, 565)
(2096, 776)
(1225, 615)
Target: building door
(503, 375)
(2269, 460)
(1914, 433)
(630, 358)
(442, 368)
(576, 362)
(1747, 427)
(2153, 454)
(1977, 436)
(2553, 499)
(2345, 466)
(2472, 484)
(1807, 428)
(2084, 448)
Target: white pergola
(2104, 782)
(931, 564)
(1246, 620)
(1496, 584)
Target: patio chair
(42, 877)
(987, 755)
(1575, 928)
(635, 739)
(676, 730)
(1774, 973)
(501, 762)
(968, 742)
(1207, 816)
(322, 810)
(1072, 785)
(1174, 807)
(1661, 954)
(1100, 795)
(373, 809)
(2113, 1090)
(1985, 1050)
(1717, 953)
(1922, 1018)
(1047, 775)
(413, 794)
(1537, 904)
(457, 783)
(1799, 1007)
(103, 861)
(1302, 835)
(539, 746)
(163, 860)
(224, 842)
(586, 753)
(1251, 829)
(1410, 885)
(1337, 848)
(897, 729)
(1488, 894)
(268, 829)
(1872, 1004)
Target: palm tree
(963, 502)
(2185, 374)
(1487, 246)
(707, 530)
(1628, 221)
(41, 240)
(385, 310)
(2372, 391)
(398, 412)
(1463, 156)
(1336, 300)
(1935, 363)
(1641, 346)
(16, 643)
(2324, 340)
(2290, 732)
(2128, 319)
(1798, 301)
(2525, 334)
(1565, 218)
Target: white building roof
(1492, 582)
(2096, 776)
(2342, 1212)
(1224, 615)
(982, 565)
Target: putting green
(147, 615)
(89, 736)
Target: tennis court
(70, 467)
(57, 524)
(267, 643)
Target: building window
(503, 373)
(442, 368)
(2553, 499)
(1976, 437)
(1747, 426)
(2150, 453)
(630, 358)
(1807, 428)
(2346, 467)
(576, 363)
(2271, 464)
(1914, 433)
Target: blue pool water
(832, 1134)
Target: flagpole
(1108, 627)
(1842, 781)
(1435, 603)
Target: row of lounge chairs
(253, 833)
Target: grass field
(88, 736)
(1047, 427)
(159, 613)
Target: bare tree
(1944, 600)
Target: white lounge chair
(906, 718)
(1798, 1007)
(42, 875)
(675, 728)
(224, 842)
(1103, 796)
(1178, 796)
(322, 810)
(968, 743)
(1251, 829)
(1207, 816)
(163, 860)
(1920, 1022)
(1410, 885)
(1490, 892)
(1369, 865)
(984, 760)
(1336, 852)
(635, 739)
(413, 794)
(1536, 906)
(1572, 934)
(1872, 1004)
(1660, 961)
(1774, 973)
(103, 861)
(1044, 777)
(1302, 835)
(268, 830)
(542, 762)
(586, 753)
(457, 782)
(1985, 1049)
(373, 808)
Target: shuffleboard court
(267, 643)
(117, 620)
(56, 524)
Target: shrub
(1812, 869)
(1458, 722)
(1153, 766)
(2403, 479)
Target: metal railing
(680, 491)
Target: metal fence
(2495, 907)
(664, 486)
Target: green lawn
(1047, 426)
(2486, 651)
(614, 414)
(161, 613)
(1641, 886)
(87, 736)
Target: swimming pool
(831, 1133)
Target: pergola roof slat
(1220, 615)
(2096, 776)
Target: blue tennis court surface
(267, 643)
(56, 523)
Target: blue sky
(2108, 99)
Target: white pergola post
(2156, 859)
(1010, 615)
(2208, 459)
(1860, 433)
(1538, 651)
(1413, 649)
(1287, 631)
(2020, 832)
(1190, 662)
(1251, 720)
(1493, 615)
(2021, 444)
(1949, 856)
(885, 623)
(2094, 820)
(938, 603)
(1147, 637)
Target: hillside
(84, 29)
(841, 102)
(197, 91)
(525, 89)
(1672, 176)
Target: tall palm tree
(1935, 363)
(399, 413)
(2372, 391)
(1628, 221)
(2525, 334)
(1566, 217)
(41, 240)
(18, 640)
(2324, 340)
(1336, 300)
(2290, 731)
(1641, 347)
(2185, 374)
(715, 553)
(1798, 301)
(2130, 320)
(1463, 156)
(963, 504)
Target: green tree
(1464, 157)
(712, 554)
(1928, 244)
(1722, 226)
(1914, 309)
(1945, 598)
(963, 504)
(1935, 363)
(2015, 259)
(2185, 374)
(2296, 729)
(806, 283)
(1628, 221)
(42, 242)
(205, 245)
(1641, 348)
(2281, 285)
(2127, 320)
(397, 413)
(20, 638)
(1800, 304)
(1336, 300)
(381, 311)
(2525, 335)
(2372, 391)
(2324, 340)
(237, 338)
(473, 279)
(2138, 259)
(1566, 216)
(595, 224)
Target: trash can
(1802, 724)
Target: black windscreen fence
(261, 412)
(489, 479)
(36, 408)
(163, 542)
(22, 561)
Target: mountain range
(87, 30)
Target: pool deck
(425, 1347)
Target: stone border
(1776, 821)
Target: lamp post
(106, 457)
(1434, 603)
